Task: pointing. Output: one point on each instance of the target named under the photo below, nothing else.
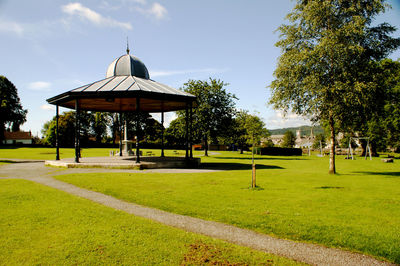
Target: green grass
(50, 153)
(40, 225)
(358, 209)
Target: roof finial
(127, 45)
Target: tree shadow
(8, 147)
(7, 161)
(388, 174)
(236, 166)
(328, 187)
(21, 161)
(258, 158)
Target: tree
(326, 53)
(113, 123)
(378, 119)
(11, 111)
(214, 111)
(66, 129)
(319, 141)
(289, 139)
(392, 105)
(239, 129)
(255, 130)
(99, 125)
(175, 133)
(150, 129)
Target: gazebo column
(187, 132)
(77, 133)
(57, 143)
(162, 133)
(191, 130)
(120, 133)
(137, 129)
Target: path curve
(305, 252)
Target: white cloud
(47, 107)
(39, 86)
(162, 73)
(279, 120)
(158, 11)
(85, 13)
(12, 27)
(118, 4)
(135, 1)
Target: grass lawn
(40, 225)
(358, 209)
(50, 153)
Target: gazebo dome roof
(127, 65)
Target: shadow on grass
(7, 161)
(260, 158)
(21, 161)
(328, 187)
(236, 166)
(388, 174)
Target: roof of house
(17, 135)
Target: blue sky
(52, 46)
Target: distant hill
(305, 130)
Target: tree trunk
(205, 146)
(253, 168)
(332, 168)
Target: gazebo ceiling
(127, 79)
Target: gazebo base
(127, 162)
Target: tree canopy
(327, 52)
(214, 112)
(289, 139)
(11, 110)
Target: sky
(51, 46)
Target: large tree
(391, 117)
(66, 129)
(324, 49)
(150, 129)
(99, 124)
(175, 133)
(214, 111)
(238, 130)
(11, 111)
(289, 139)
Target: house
(18, 137)
(277, 139)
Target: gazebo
(127, 87)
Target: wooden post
(77, 133)
(253, 180)
(162, 131)
(191, 130)
(253, 167)
(57, 140)
(187, 133)
(120, 133)
(137, 129)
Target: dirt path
(308, 253)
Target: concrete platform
(127, 162)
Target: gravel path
(308, 253)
